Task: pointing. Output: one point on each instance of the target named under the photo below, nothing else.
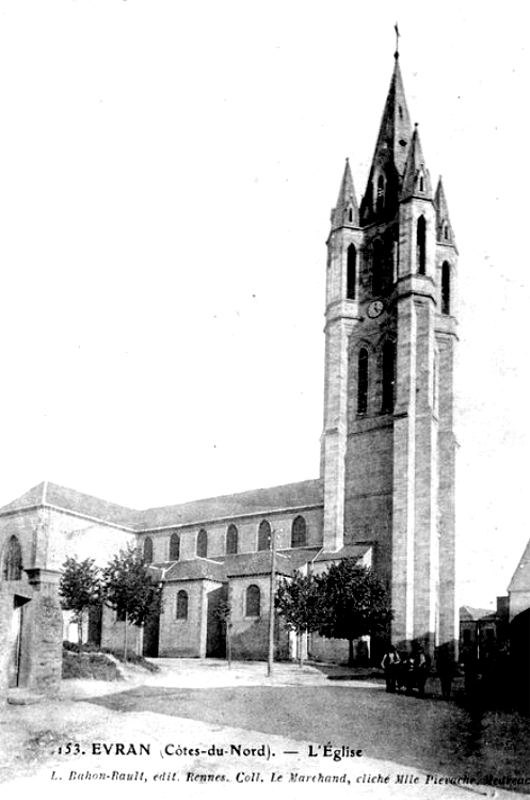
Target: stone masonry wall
(247, 534)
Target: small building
(483, 629)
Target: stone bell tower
(388, 448)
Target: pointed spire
(395, 130)
(390, 155)
(346, 212)
(416, 180)
(444, 231)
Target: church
(385, 493)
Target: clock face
(375, 308)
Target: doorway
(16, 642)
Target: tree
(299, 602)
(130, 589)
(80, 589)
(355, 603)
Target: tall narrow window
(380, 194)
(421, 183)
(182, 605)
(446, 288)
(350, 215)
(369, 198)
(420, 245)
(362, 381)
(299, 532)
(264, 536)
(252, 601)
(174, 547)
(388, 277)
(351, 272)
(378, 265)
(148, 550)
(202, 544)
(388, 377)
(12, 569)
(231, 540)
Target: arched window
(148, 550)
(12, 570)
(421, 184)
(388, 377)
(252, 601)
(369, 197)
(420, 245)
(351, 272)
(174, 547)
(350, 214)
(202, 544)
(380, 194)
(388, 277)
(446, 288)
(299, 532)
(264, 535)
(182, 605)
(378, 266)
(362, 381)
(446, 231)
(231, 540)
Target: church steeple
(346, 212)
(388, 446)
(390, 155)
(416, 179)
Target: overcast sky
(167, 173)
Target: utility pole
(271, 601)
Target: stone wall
(247, 534)
(45, 635)
(250, 635)
(185, 637)
(6, 615)
(113, 634)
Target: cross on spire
(396, 54)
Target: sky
(167, 171)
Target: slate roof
(196, 570)
(348, 551)
(257, 501)
(256, 564)
(220, 569)
(245, 564)
(470, 613)
(300, 556)
(520, 581)
(50, 494)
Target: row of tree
(345, 602)
(126, 585)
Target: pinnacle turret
(444, 231)
(346, 212)
(416, 179)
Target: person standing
(421, 670)
(445, 667)
(390, 664)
